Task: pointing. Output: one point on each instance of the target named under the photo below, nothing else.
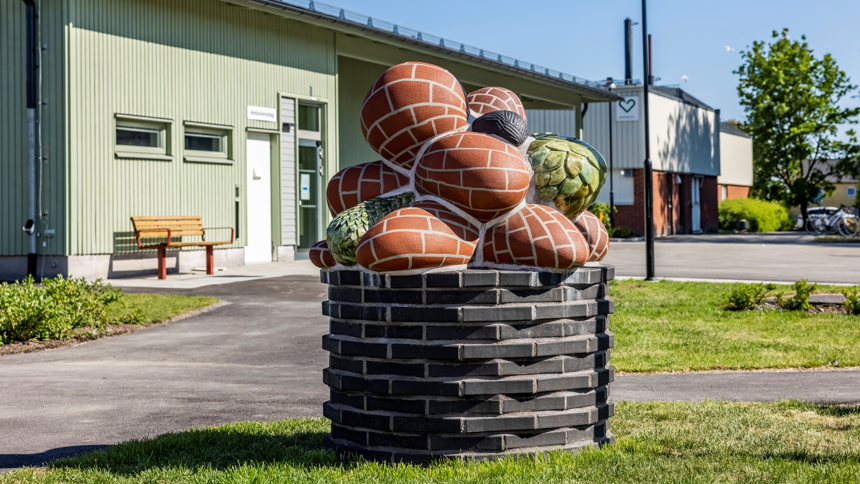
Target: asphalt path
(258, 358)
(776, 257)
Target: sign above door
(258, 113)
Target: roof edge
(348, 26)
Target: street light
(649, 174)
(610, 85)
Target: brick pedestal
(467, 364)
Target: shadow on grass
(298, 443)
(216, 448)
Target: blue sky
(586, 38)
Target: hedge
(54, 309)
(762, 215)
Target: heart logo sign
(628, 109)
(627, 104)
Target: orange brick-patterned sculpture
(461, 184)
(462, 323)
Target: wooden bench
(168, 227)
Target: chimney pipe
(628, 51)
(650, 63)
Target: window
(309, 117)
(142, 138)
(208, 143)
(134, 136)
(852, 192)
(203, 142)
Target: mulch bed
(85, 335)
(82, 335)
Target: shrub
(747, 296)
(621, 233)
(800, 301)
(762, 215)
(54, 309)
(852, 300)
(599, 208)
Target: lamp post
(649, 176)
(609, 86)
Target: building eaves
(592, 92)
(729, 128)
(679, 94)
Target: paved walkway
(777, 257)
(258, 358)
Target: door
(697, 204)
(310, 175)
(309, 193)
(259, 227)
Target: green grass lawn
(154, 308)
(656, 442)
(681, 326)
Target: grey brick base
(469, 364)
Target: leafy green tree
(791, 99)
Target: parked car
(815, 212)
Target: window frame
(225, 156)
(163, 126)
(849, 190)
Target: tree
(791, 99)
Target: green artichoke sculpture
(568, 171)
(347, 228)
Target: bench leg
(210, 260)
(162, 262)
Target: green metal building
(234, 110)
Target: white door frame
(696, 203)
(258, 196)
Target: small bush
(54, 309)
(621, 233)
(800, 301)
(603, 209)
(762, 215)
(852, 300)
(747, 296)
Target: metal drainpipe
(33, 120)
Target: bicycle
(842, 223)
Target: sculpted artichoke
(567, 171)
(345, 230)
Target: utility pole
(611, 172)
(649, 176)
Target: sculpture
(461, 184)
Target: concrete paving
(258, 358)
(777, 257)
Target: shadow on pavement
(10, 461)
(775, 238)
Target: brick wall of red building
(673, 210)
(735, 191)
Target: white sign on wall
(305, 186)
(262, 114)
(627, 109)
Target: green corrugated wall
(14, 148)
(356, 78)
(191, 60)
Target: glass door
(309, 199)
(310, 176)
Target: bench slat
(163, 233)
(167, 217)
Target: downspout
(33, 115)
